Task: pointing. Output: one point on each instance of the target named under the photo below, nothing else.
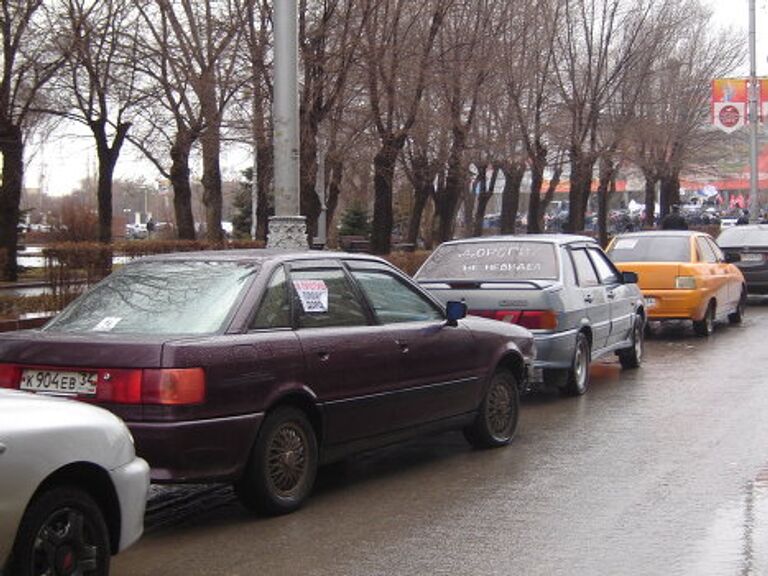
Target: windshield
(191, 297)
(651, 249)
(499, 261)
(739, 236)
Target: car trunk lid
(653, 275)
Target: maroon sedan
(253, 367)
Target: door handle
(323, 356)
(403, 346)
(588, 298)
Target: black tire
(632, 356)
(283, 464)
(62, 532)
(737, 315)
(496, 420)
(706, 326)
(577, 382)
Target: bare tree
(32, 54)
(397, 52)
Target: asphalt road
(661, 471)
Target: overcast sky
(68, 158)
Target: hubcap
(63, 545)
(639, 342)
(500, 408)
(580, 366)
(287, 458)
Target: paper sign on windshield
(313, 295)
(106, 324)
(625, 244)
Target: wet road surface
(663, 470)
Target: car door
(350, 364)
(594, 297)
(620, 297)
(733, 283)
(437, 371)
(714, 275)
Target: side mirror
(629, 277)
(732, 257)
(455, 311)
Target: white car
(72, 491)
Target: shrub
(408, 262)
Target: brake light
(174, 386)
(10, 374)
(119, 386)
(531, 319)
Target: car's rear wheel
(706, 326)
(737, 315)
(577, 381)
(632, 356)
(496, 421)
(62, 533)
(283, 465)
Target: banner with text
(729, 103)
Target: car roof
(256, 255)
(560, 239)
(686, 233)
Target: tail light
(531, 319)
(685, 282)
(168, 386)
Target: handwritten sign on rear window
(497, 260)
(313, 295)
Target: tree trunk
(383, 178)
(447, 205)
(484, 196)
(211, 180)
(12, 148)
(107, 160)
(423, 188)
(650, 198)
(670, 192)
(265, 163)
(335, 169)
(510, 196)
(581, 188)
(538, 164)
(607, 170)
(309, 203)
(182, 189)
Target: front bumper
(131, 484)
(215, 449)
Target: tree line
(395, 95)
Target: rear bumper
(131, 484)
(553, 351)
(198, 450)
(757, 280)
(676, 304)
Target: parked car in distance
(684, 276)
(253, 366)
(72, 491)
(562, 287)
(750, 242)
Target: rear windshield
(158, 298)
(739, 236)
(491, 261)
(651, 249)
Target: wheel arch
(513, 361)
(95, 481)
(305, 402)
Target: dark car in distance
(253, 367)
(750, 242)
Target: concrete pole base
(287, 233)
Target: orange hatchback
(683, 276)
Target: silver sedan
(561, 287)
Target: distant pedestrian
(743, 219)
(150, 227)
(674, 220)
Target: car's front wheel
(283, 465)
(63, 532)
(496, 421)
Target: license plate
(650, 302)
(751, 257)
(59, 382)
